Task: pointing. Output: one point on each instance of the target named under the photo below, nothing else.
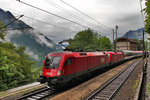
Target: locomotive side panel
(97, 62)
(69, 66)
(120, 56)
(81, 64)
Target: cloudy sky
(124, 13)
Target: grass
(135, 85)
(148, 88)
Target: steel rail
(37, 95)
(111, 87)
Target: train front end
(52, 69)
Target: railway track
(38, 95)
(109, 90)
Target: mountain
(37, 44)
(134, 34)
(7, 17)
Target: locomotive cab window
(52, 62)
(48, 61)
(68, 62)
(108, 55)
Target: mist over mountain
(37, 44)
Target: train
(61, 68)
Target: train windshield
(108, 55)
(52, 62)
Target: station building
(126, 44)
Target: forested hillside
(37, 44)
(16, 68)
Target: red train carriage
(62, 67)
(138, 53)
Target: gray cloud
(128, 22)
(124, 13)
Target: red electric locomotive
(115, 57)
(60, 68)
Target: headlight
(59, 73)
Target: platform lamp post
(116, 37)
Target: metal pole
(146, 49)
(116, 37)
(113, 40)
(127, 41)
(143, 53)
(11, 22)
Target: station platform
(18, 91)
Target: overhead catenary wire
(23, 28)
(55, 15)
(85, 14)
(47, 23)
(38, 21)
(68, 12)
(61, 8)
(41, 22)
(26, 28)
(52, 14)
(53, 24)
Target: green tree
(8, 64)
(147, 45)
(89, 40)
(2, 30)
(147, 26)
(85, 40)
(16, 67)
(139, 44)
(105, 43)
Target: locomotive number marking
(48, 73)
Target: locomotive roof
(76, 54)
